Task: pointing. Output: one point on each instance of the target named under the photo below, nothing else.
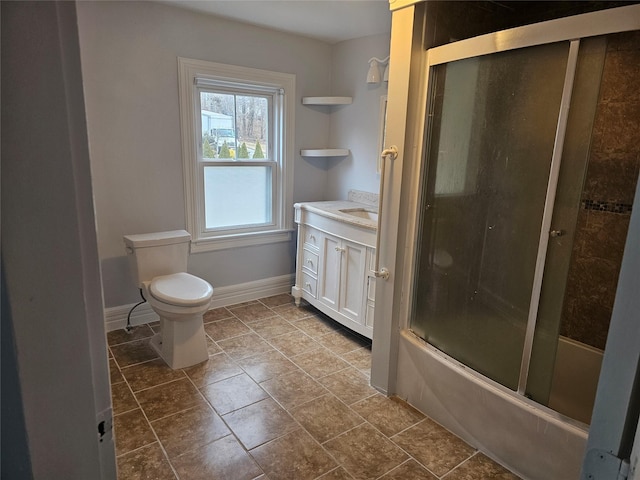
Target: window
(237, 143)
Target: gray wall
(129, 66)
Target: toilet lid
(181, 289)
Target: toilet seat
(181, 289)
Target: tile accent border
(116, 317)
(622, 208)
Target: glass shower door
(491, 139)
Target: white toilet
(159, 264)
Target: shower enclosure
(525, 185)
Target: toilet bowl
(159, 262)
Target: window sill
(240, 240)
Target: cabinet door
(352, 280)
(329, 274)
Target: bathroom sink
(361, 213)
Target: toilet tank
(154, 254)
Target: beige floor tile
(319, 363)
(259, 423)
(122, 398)
(223, 459)
(132, 431)
(410, 470)
(189, 429)
(244, 346)
(316, 326)
(267, 365)
(212, 347)
(252, 312)
(144, 464)
(341, 342)
(360, 359)
(217, 368)
(130, 353)
(216, 314)
(480, 467)
(227, 328)
(365, 453)
(337, 474)
(326, 417)
(277, 300)
(294, 343)
(389, 415)
(295, 456)
(293, 313)
(233, 393)
(272, 327)
(114, 372)
(168, 398)
(138, 332)
(293, 389)
(433, 446)
(149, 374)
(349, 385)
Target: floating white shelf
(326, 100)
(324, 152)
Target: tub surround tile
(224, 458)
(326, 417)
(259, 423)
(433, 446)
(145, 463)
(218, 367)
(294, 343)
(139, 332)
(169, 398)
(244, 346)
(349, 385)
(389, 415)
(189, 429)
(267, 365)
(293, 389)
(135, 431)
(233, 393)
(365, 453)
(295, 455)
(122, 398)
(150, 374)
(319, 363)
(138, 351)
(480, 467)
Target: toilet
(159, 265)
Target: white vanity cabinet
(333, 273)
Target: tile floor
(284, 395)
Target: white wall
(356, 126)
(129, 65)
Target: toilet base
(181, 343)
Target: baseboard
(116, 317)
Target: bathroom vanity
(335, 260)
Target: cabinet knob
(310, 262)
(338, 249)
(312, 237)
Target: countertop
(336, 210)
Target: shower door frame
(569, 29)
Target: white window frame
(193, 77)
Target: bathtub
(532, 441)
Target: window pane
(234, 126)
(237, 196)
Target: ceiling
(330, 21)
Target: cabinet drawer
(309, 285)
(312, 237)
(310, 261)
